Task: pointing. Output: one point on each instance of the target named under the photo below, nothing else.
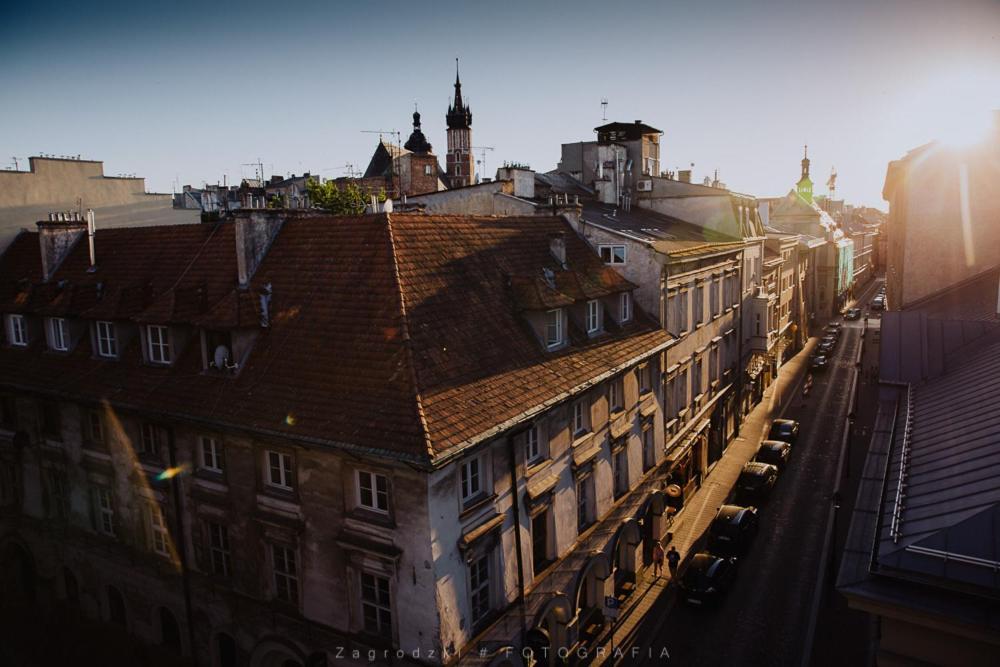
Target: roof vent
(557, 246)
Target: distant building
(67, 184)
(460, 162)
(623, 154)
(410, 169)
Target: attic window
(158, 344)
(553, 328)
(612, 254)
(107, 340)
(17, 330)
(626, 306)
(58, 336)
(593, 316)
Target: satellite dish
(221, 357)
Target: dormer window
(625, 306)
(553, 328)
(17, 330)
(593, 316)
(158, 344)
(219, 351)
(107, 340)
(58, 335)
(612, 254)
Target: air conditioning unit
(644, 186)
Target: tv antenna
(604, 108)
(482, 159)
(259, 169)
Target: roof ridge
(407, 343)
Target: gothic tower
(805, 184)
(459, 161)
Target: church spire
(805, 184)
(805, 162)
(459, 115)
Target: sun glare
(954, 107)
(964, 127)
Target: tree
(347, 201)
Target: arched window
(116, 606)
(227, 650)
(170, 632)
(72, 587)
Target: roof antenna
(604, 108)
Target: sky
(185, 93)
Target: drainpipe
(175, 482)
(741, 367)
(517, 534)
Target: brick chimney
(56, 238)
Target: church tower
(459, 161)
(805, 184)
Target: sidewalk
(693, 520)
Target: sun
(955, 108)
(961, 128)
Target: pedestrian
(673, 560)
(658, 558)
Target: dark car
(732, 530)
(878, 303)
(826, 347)
(786, 430)
(833, 328)
(819, 362)
(852, 314)
(755, 482)
(707, 578)
(774, 452)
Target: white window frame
(472, 478)
(553, 328)
(378, 500)
(105, 511)
(285, 573)
(593, 316)
(282, 463)
(625, 306)
(613, 258)
(581, 423)
(159, 536)
(17, 330)
(158, 349)
(481, 587)
(381, 605)
(219, 554)
(533, 444)
(149, 438)
(58, 336)
(107, 340)
(616, 400)
(212, 454)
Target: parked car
(831, 332)
(774, 452)
(755, 482)
(732, 530)
(878, 303)
(708, 578)
(852, 314)
(786, 430)
(826, 347)
(819, 362)
(834, 326)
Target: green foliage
(347, 201)
(275, 202)
(516, 165)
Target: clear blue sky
(187, 92)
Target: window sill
(373, 517)
(581, 439)
(539, 465)
(475, 505)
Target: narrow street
(765, 618)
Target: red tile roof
(400, 334)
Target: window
(699, 304)
(581, 417)
(213, 456)
(479, 588)
(116, 607)
(648, 447)
(149, 439)
(696, 379)
(612, 254)
(279, 470)
(58, 336)
(472, 479)
(682, 311)
(626, 306)
(713, 364)
(373, 491)
(105, 511)
(159, 538)
(428, 170)
(593, 316)
(714, 289)
(95, 428)
(615, 401)
(158, 339)
(644, 375)
(540, 541)
(286, 578)
(532, 444)
(218, 549)
(57, 488)
(51, 421)
(619, 471)
(583, 494)
(170, 632)
(553, 328)
(17, 330)
(107, 340)
(376, 606)
(682, 389)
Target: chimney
(557, 246)
(55, 239)
(255, 231)
(684, 175)
(91, 232)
